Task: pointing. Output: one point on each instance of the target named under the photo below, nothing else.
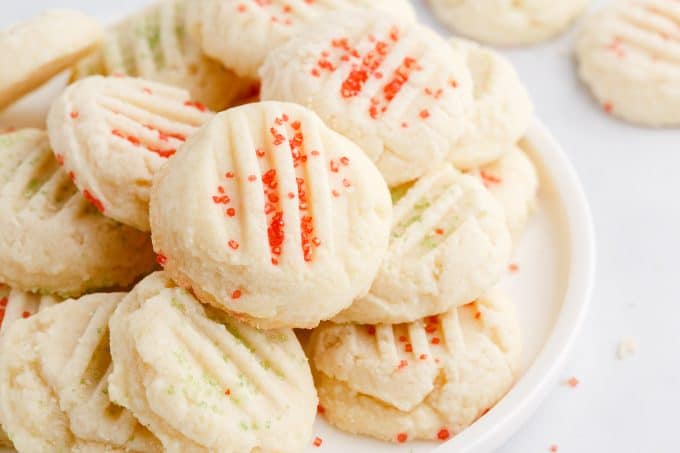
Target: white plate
(552, 288)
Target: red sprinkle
(252, 178)
(229, 174)
(161, 259)
(196, 105)
(318, 441)
(439, 231)
(60, 159)
(424, 114)
(554, 448)
(75, 115)
(296, 125)
(436, 340)
(402, 437)
(231, 212)
(259, 153)
(234, 244)
(573, 382)
(227, 392)
(402, 339)
(371, 330)
(320, 409)
(344, 160)
(94, 200)
(513, 267)
(25, 314)
(3, 302)
(432, 328)
(423, 357)
(408, 347)
(236, 294)
(608, 107)
(147, 91)
(443, 434)
(402, 364)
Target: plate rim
(513, 411)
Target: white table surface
(631, 178)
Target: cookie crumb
(627, 348)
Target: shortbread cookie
(154, 45)
(449, 244)
(396, 89)
(508, 22)
(114, 133)
(272, 216)
(35, 51)
(52, 240)
(629, 56)
(15, 305)
(426, 380)
(502, 112)
(240, 33)
(204, 382)
(513, 181)
(54, 370)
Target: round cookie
(429, 379)
(114, 133)
(52, 240)
(204, 382)
(154, 45)
(502, 112)
(240, 33)
(513, 181)
(449, 244)
(35, 51)
(272, 216)
(508, 22)
(629, 56)
(54, 370)
(15, 305)
(395, 88)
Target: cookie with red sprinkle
(269, 214)
(53, 239)
(113, 134)
(394, 87)
(429, 379)
(54, 371)
(203, 381)
(240, 33)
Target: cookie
(54, 369)
(502, 112)
(204, 382)
(629, 56)
(513, 181)
(52, 239)
(240, 34)
(36, 50)
(395, 88)
(154, 45)
(508, 22)
(429, 379)
(114, 133)
(15, 305)
(449, 244)
(272, 216)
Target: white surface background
(631, 178)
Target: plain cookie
(272, 216)
(449, 244)
(513, 181)
(112, 134)
(35, 51)
(395, 88)
(629, 56)
(502, 111)
(240, 33)
(154, 45)
(429, 379)
(204, 382)
(52, 239)
(54, 369)
(508, 22)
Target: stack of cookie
(371, 192)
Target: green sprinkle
(32, 188)
(244, 426)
